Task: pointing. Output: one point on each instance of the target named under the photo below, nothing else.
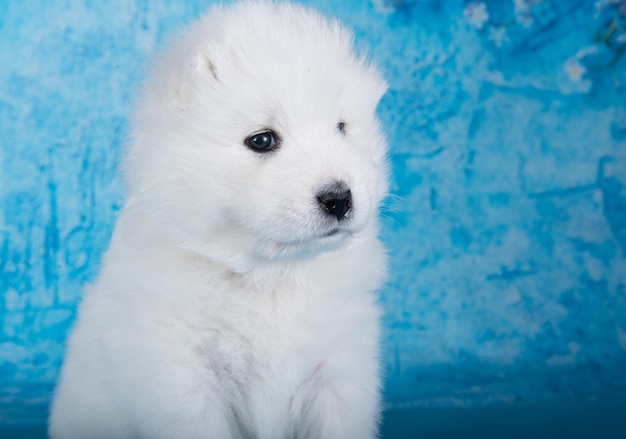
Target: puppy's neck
(160, 256)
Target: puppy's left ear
(375, 84)
(380, 84)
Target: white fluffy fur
(222, 309)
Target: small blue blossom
(498, 35)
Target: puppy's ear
(199, 71)
(378, 84)
(203, 65)
(373, 86)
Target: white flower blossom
(476, 14)
(523, 14)
(521, 6)
(525, 20)
(498, 35)
(574, 70)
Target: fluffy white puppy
(237, 299)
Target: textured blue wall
(507, 224)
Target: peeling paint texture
(507, 219)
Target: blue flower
(498, 35)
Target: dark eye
(341, 127)
(262, 142)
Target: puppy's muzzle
(336, 200)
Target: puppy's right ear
(197, 71)
(203, 65)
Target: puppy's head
(256, 139)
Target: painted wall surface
(507, 220)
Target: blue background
(506, 225)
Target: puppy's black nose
(336, 201)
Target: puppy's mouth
(326, 241)
(330, 233)
(335, 233)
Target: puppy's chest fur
(243, 334)
(254, 346)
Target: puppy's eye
(262, 142)
(341, 127)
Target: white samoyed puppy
(237, 297)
